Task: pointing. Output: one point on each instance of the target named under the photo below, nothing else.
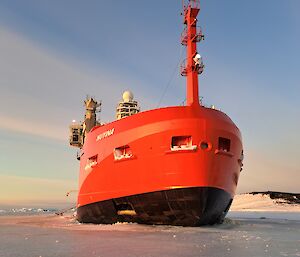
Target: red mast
(189, 37)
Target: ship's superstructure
(175, 165)
(90, 120)
(127, 106)
(76, 134)
(78, 131)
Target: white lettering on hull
(105, 134)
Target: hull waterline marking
(105, 134)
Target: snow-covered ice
(62, 236)
(246, 232)
(262, 202)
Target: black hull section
(180, 207)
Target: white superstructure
(127, 106)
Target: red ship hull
(155, 181)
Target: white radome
(127, 96)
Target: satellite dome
(127, 96)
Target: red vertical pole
(191, 13)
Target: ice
(256, 226)
(240, 235)
(27, 211)
(261, 202)
(260, 206)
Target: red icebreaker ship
(175, 165)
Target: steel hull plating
(184, 207)
(189, 186)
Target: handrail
(197, 37)
(195, 4)
(184, 68)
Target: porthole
(205, 146)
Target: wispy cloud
(35, 191)
(48, 130)
(39, 89)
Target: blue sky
(54, 53)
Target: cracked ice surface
(240, 235)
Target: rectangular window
(91, 162)
(93, 158)
(122, 152)
(75, 138)
(224, 144)
(182, 143)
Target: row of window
(178, 143)
(185, 142)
